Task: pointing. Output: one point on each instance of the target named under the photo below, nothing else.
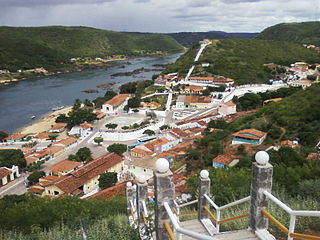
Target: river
(36, 97)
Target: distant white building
(227, 108)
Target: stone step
(195, 226)
(237, 235)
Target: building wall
(138, 171)
(52, 191)
(91, 185)
(227, 110)
(107, 108)
(236, 140)
(217, 165)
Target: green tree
(117, 148)
(130, 87)
(107, 179)
(149, 132)
(3, 135)
(53, 136)
(111, 125)
(35, 176)
(84, 155)
(9, 157)
(134, 102)
(206, 92)
(164, 127)
(98, 140)
(88, 103)
(109, 94)
(62, 118)
(76, 104)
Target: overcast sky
(159, 15)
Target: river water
(36, 97)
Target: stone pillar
(142, 191)
(204, 188)
(164, 192)
(130, 196)
(261, 181)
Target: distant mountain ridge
(51, 47)
(303, 33)
(188, 39)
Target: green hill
(242, 59)
(303, 33)
(188, 39)
(50, 47)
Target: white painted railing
(183, 205)
(293, 213)
(184, 231)
(219, 209)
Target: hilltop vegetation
(188, 39)
(302, 33)
(243, 60)
(291, 118)
(52, 47)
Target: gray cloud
(159, 15)
(33, 3)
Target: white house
(8, 174)
(115, 103)
(227, 108)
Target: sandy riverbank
(45, 123)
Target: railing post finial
(262, 172)
(164, 192)
(204, 188)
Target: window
(56, 193)
(144, 170)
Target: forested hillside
(242, 59)
(188, 39)
(302, 33)
(51, 47)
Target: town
(122, 139)
(169, 118)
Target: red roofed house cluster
(80, 181)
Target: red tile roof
(77, 178)
(197, 99)
(179, 132)
(43, 135)
(111, 192)
(31, 159)
(166, 155)
(256, 134)
(196, 129)
(86, 125)
(181, 147)
(230, 104)
(141, 151)
(117, 100)
(159, 141)
(224, 159)
(58, 126)
(15, 136)
(4, 172)
(64, 165)
(67, 141)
